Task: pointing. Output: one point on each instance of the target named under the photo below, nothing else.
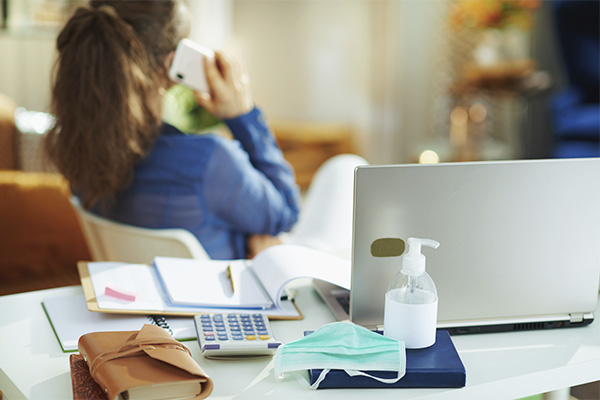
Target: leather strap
(131, 347)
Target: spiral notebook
(70, 319)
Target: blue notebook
(438, 366)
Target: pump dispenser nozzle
(413, 262)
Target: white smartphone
(188, 65)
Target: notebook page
(207, 283)
(143, 281)
(276, 266)
(70, 319)
(138, 279)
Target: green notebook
(70, 318)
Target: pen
(230, 276)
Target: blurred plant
(479, 14)
(182, 111)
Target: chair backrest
(113, 241)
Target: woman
(127, 165)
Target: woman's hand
(229, 88)
(257, 243)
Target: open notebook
(184, 287)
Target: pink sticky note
(119, 293)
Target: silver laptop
(520, 241)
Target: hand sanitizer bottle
(411, 300)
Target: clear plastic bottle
(411, 300)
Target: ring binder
(160, 320)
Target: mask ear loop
(322, 376)
(353, 372)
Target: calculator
(235, 334)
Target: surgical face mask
(345, 346)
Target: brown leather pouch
(145, 364)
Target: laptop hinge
(576, 318)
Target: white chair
(325, 222)
(113, 241)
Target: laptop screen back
(519, 239)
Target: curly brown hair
(109, 71)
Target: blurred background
(396, 81)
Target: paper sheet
(276, 266)
(259, 283)
(136, 278)
(206, 283)
(70, 319)
(142, 280)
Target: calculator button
(235, 334)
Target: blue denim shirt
(219, 189)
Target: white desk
(502, 365)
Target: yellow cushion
(40, 237)
(8, 133)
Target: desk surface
(509, 365)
